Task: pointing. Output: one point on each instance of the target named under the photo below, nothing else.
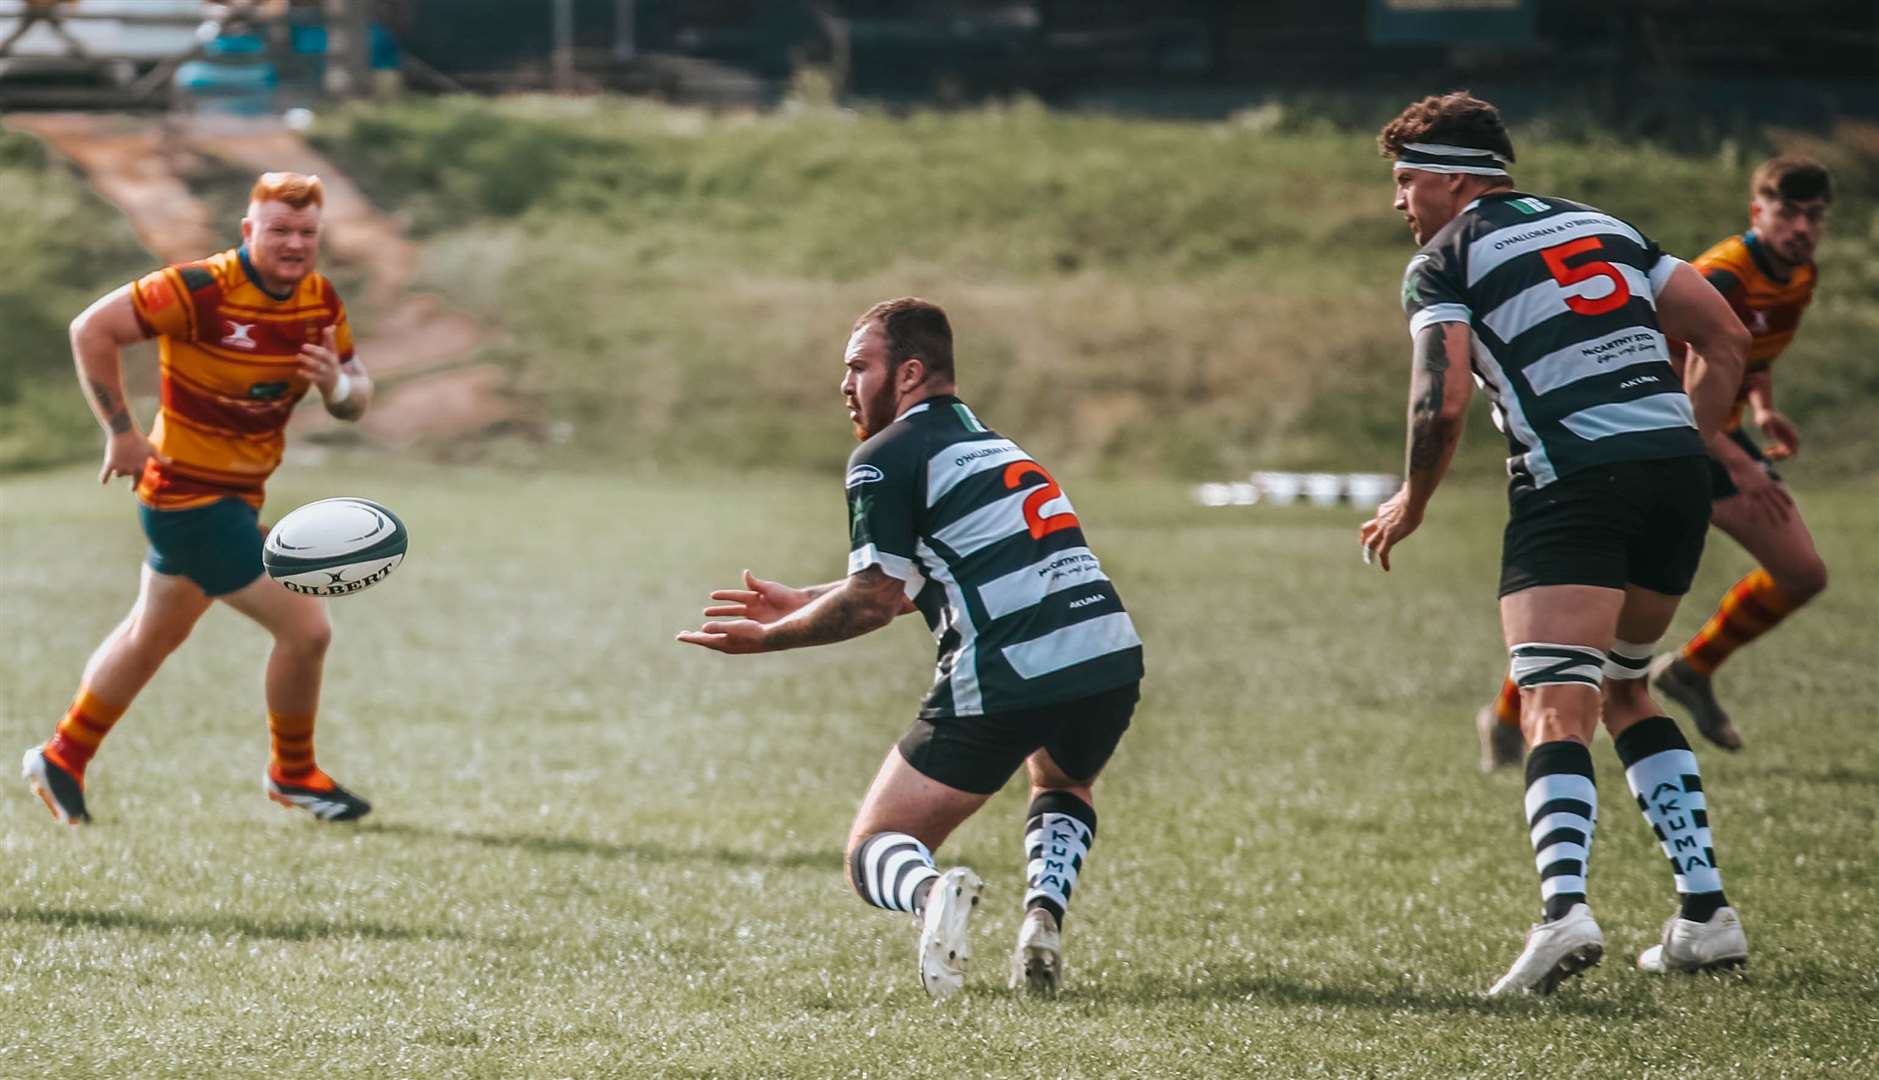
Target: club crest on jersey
(240, 335)
(862, 474)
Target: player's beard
(874, 412)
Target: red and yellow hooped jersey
(1769, 306)
(228, 351)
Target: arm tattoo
(1429, 433)
(117, 415)
(866, 601)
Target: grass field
(597, 853)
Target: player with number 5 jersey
(1039, 664)
(1561, 311)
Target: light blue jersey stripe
(1624, 417)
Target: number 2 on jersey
(1556, 257)
(1040, 525)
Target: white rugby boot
(1556, 951)
(1690, 947)
(944, 944)
(1037, 962)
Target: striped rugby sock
(1562, 808)
(1662, 773)
(1751, 608)
(290, 746)
(894, 871)
(79, 734)
(1058, 831)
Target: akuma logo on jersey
(863, 474)
(240, 335)
(269, 391)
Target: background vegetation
(1169, 298)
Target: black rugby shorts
(979, 753)
(1628, 523)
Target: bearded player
(242, 336)
(1767, 274)
(1562, 312)
(1039, 665)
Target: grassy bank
(1130, 296)
(1167, 297)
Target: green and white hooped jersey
(993, 556)
(1562, 301)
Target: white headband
(1443, 158)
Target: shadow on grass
(220, 925)
(644, 851)
(1256, 990)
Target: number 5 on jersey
(1572, 275)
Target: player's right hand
(125, 454)
(759, 600)
(1764, 496)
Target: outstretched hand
(736, 638)
(764, 601)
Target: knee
(310, 640)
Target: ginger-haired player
(242, 336)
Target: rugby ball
(334, 547)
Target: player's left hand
(319, 364)
(1786, 438)
(736, 638)
(1395, 520)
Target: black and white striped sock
(1058, 831)
(894, 871)
(1562, 808)
(1661, 770)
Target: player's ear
(912, 373)
(247, 229)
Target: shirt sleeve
(1432, 291)
(883, 488)
(162, 306)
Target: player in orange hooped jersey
(242, 337)
(1768, 275)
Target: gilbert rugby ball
(334, 547)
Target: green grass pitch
(599, 853)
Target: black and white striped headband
(1442, 158)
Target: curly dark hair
(1793, 178)
(1456, 118)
